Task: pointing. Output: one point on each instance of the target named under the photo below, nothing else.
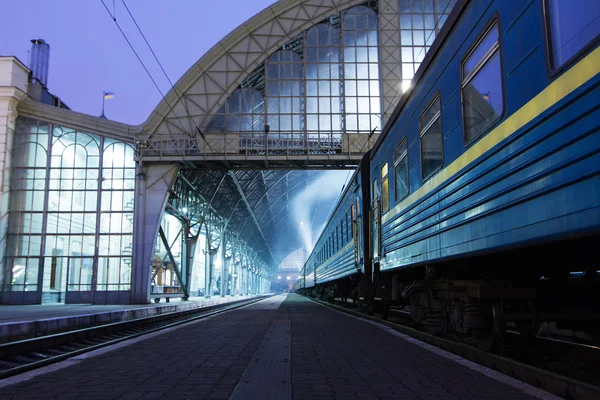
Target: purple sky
(88, 54)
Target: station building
(195, 201)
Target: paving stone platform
(24, 322)
(285, 347)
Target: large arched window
(116, 220)
(72, 207)
(71, 213)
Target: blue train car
(337, 263)
(485, 191)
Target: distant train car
(484, 186)
(335, 266)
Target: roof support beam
(251, 212)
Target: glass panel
(573, 24)
(362, 78)
(30, 154)
(479, 52)
(482, 99)
(432, 149)
(430, 114)
(114, 273)
(420, 22)
(385, 195)
(401, 170)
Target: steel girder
(251, 204)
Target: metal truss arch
(214, 77)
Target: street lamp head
(279, 277)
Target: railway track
(512, 362)
(29, 354)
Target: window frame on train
(466, 79)
(425, 129)
(385, 188)
(553, 68)
(401, 157)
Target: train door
(304, 277)
(356, 235)
(359, 238)
(355, 241)
(376, 224)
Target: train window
(482, 100)
(432, 139)
(572, 25)
(347, 227)
(331, 246)
(385, 189)
(375, 192)
(401, 170)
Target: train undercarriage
(551, 289)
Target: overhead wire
(138, 56)
(165, 73)
(180, 97)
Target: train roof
(435, 47)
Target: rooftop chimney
(40, 57)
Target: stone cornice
(12, 93)
(76, 120)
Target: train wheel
(490, 338)
(385, 311)
(371, 308)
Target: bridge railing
(238, 146)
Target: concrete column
(240, 279)
(224, 267)
(207, 263)
(13, 89)
(152, 187)
(233, 265)
(243, 281)
(251, 281)
(244, 270)
(189, 250)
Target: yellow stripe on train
(579, 74)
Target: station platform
(284, 347)
(23, 322)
